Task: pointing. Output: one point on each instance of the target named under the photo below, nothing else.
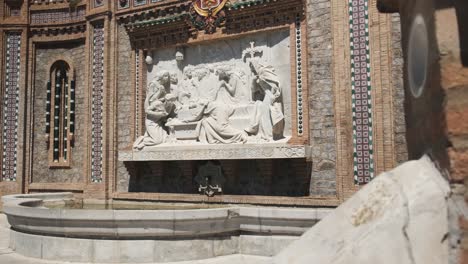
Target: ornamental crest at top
(208, 14)
(207, 7)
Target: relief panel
(233, 91)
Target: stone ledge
(218, 152)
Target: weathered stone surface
(27, 213)
(105, 251)
(263, 245)
(400, 217)
(321, 117)
(123, 236)
(401, 151)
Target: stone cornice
(173, 13)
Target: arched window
(60, 114)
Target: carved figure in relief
(159, 106)
(267, 121)
(176, 89)
(214, 126)
(232, 89)
(174, 81)
(188, 88)
(223, 102)
(213, 123)
(204, 82)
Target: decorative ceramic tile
(58, 16)
(299, 79)
(137, 93)
(48, 107)
(11, 105)
(97, 103)
(139, 2)
(361, 92)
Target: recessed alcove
(237, 102)
(253, 177)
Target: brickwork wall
(342, 98)
(329, 174)
(124, 107)
(387, 90)
(40, 171)
(454, 81)
(321, 97)
(400, 147)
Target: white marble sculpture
(267, 119)
(214, 126)
(159, 105)
(220, 102)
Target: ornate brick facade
(109, 59)
(57, 16)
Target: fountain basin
(120, 236)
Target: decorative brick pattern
(361, 91)
(97, 103)
(323, 116)
(58, 16)
(11, 105)
(137, 94)
(299, 79)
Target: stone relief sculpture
(159, 105)
(267, 118)
(214, 103)
(214, 126)
(232, 90)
